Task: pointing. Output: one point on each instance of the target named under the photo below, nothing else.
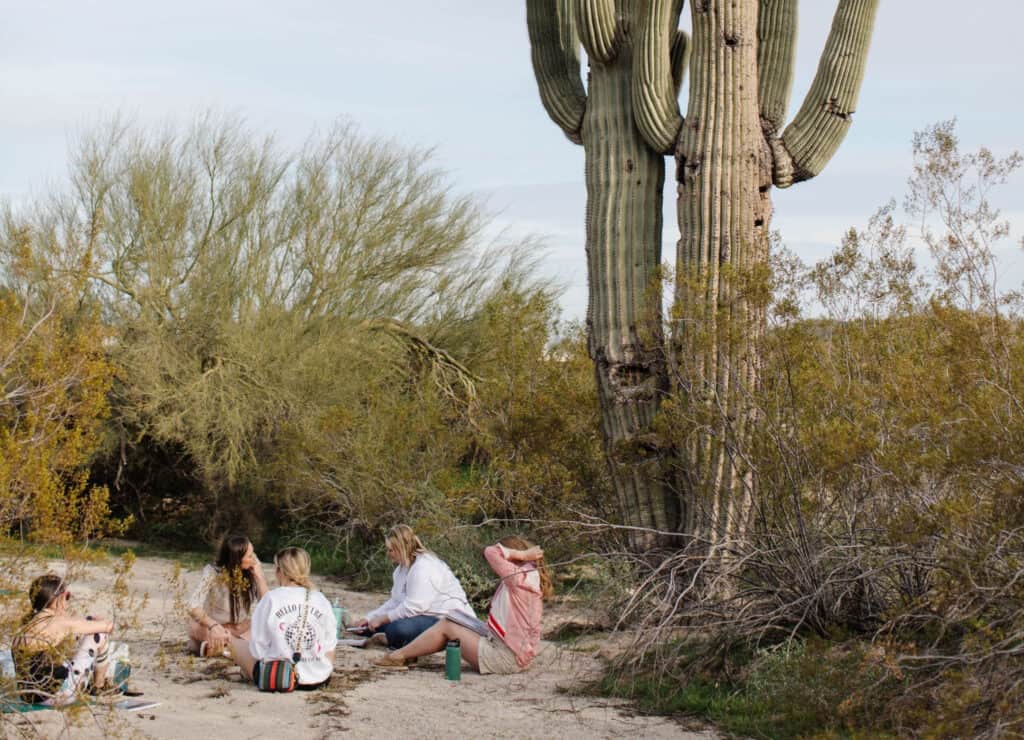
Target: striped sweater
(517, 604)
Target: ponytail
(295, 565)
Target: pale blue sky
(455, 74)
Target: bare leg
(242, 630)
(242, 656)
(435, 639)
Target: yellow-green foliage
(286, 327)
(54, 378)
(523, 442)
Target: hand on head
(533, 553)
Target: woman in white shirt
(423, 590)
(292, 618)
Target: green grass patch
(189, 559)
(798, 689)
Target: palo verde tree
(731, 147)
(247, 289)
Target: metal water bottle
(453, 661)
(339, 617)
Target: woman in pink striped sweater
(512, 631)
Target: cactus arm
(654, 89)
(554, 50)
(680, 59)
(776, 55)
(824, 118)
(598, 29)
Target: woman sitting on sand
(423, 590)
(292, 618)
(219, 607)
(49, 670)
(513, 625)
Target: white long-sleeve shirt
(428, 586)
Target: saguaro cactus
(625, 179)
(731, 147)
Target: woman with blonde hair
(423, 590)
(508, 641)
(291, 621)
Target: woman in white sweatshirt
(423, 590)
(291, 620)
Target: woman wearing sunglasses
(46, 673)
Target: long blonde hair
(295, 565)
(405, 543)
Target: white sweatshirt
(428, 586)
(278, 631)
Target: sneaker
(391, 661)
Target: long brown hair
(518, 543)
(241, 587)
(42, 592)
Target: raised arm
(504, 560)
(254, 567)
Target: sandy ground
(209, 699)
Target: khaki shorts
(494, 656)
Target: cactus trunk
(732, 146)
(625, 181)
(724, 174)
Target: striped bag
(276, 676)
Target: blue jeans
(403, 631)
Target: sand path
(208, 698)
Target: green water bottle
(339, 617)
(453, 661)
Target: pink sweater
(517, 604)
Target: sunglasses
(66, 594)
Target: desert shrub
(54, 379)
(887, 458)
(302, 337)
(512, 445)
